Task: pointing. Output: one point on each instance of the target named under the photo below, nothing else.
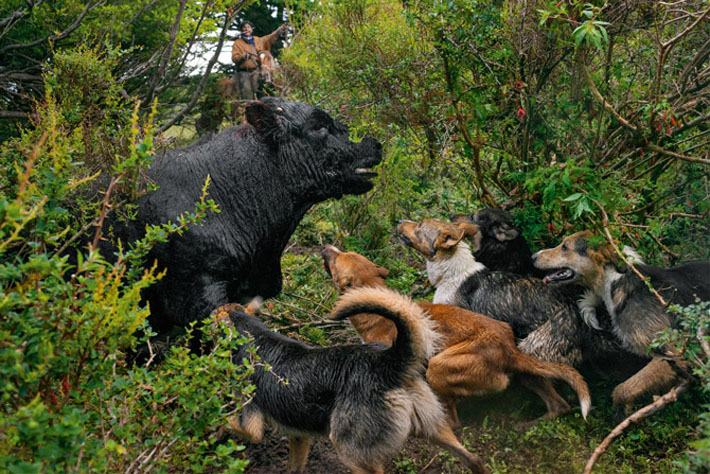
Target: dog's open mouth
(559, 275)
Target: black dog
(499, 243)
(500, 246)
(366, 398)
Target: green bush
(691, 339)
(69, 400)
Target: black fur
(640, 315)
(265, 176)
(543, 321)
(366, 398)
(319, 380)
(511, 291)
(502, 246)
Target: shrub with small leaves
(69, 400)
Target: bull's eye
(564, 247)
(318, 134)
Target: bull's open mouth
(559, 275)
(365, 172)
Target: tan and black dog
(637, 315)
(478, 354)
(366, 400)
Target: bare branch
(165, 59)
(639, 415)
(58, 36)
(597, 95)
(13, 114)
(663, 151)
(671, 42)
(190, 44)
(193, 100)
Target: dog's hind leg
(543, 388)
(463, 370)
(298, 447)
(656, 375)
(446, 438)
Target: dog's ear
(604, 254)
(345, 282)
(469, 229)
(382, 271)
(472, 232)
(448, 239)
(504, 232)
(459, 218)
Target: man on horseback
(245, 54)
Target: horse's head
(267, 65)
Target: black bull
(265, 175)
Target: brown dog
(479, 353)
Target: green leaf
(573, 197)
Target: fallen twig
(637, 416)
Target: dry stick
(662, 151)
(306, 324)
(685, 214)
(205, 77)
(431, 461)
(327, 295)
(639, 415)
(165, 59)
(104, 210)
(664, 247)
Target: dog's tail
(416, 337)
(528, 364)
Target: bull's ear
(263, 119)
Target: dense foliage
(558, 111)
(69, 316)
